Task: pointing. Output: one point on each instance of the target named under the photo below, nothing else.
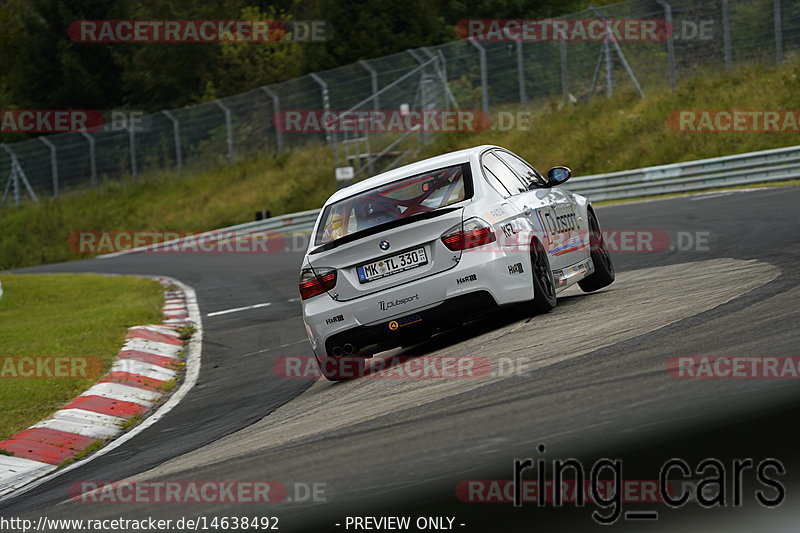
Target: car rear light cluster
(472, 233)
(312, 284)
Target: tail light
(312, 284)
(472, 233)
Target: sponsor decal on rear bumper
(394, 325)
(384, 305)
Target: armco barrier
(753, 167)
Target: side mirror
(558, 175)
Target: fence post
(276, 107)
(776, 7)
(726, 33)
(523, 97)
(15, 177)
(53, 164)
(610, 40)
(423, 135)
(373, 75)
(670, 42)
(132, 146)
(92, 157)
(484, 79)
(228, 128)
(562, 48)
(440, 66)
(176, 135)
(442, 70)
(609, 68)
(443, 64)
(330, 138)
(13, 181)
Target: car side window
(495, 183)
(494, 166)
(529, 175)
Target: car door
(531, 204)
(566, 242)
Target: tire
(603, 274)
(341, 368)
(544, 284)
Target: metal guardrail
(753, 167)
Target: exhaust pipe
(349, 348)
(337, 351)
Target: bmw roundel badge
(384, 245)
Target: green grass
(65, 314)
(186, 332)
(84, 453)
(602, 135)
(130, 422)
(36, 234)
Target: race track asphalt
(594, 385)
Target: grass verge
(39, 233)
(63, 315)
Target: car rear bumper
(392, 333)
(482, 278)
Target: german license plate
(392, 265)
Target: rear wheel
(544, 284)
(603, 274)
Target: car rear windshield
(398, 200)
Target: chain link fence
(464, 74)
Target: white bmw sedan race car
(397, 257)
